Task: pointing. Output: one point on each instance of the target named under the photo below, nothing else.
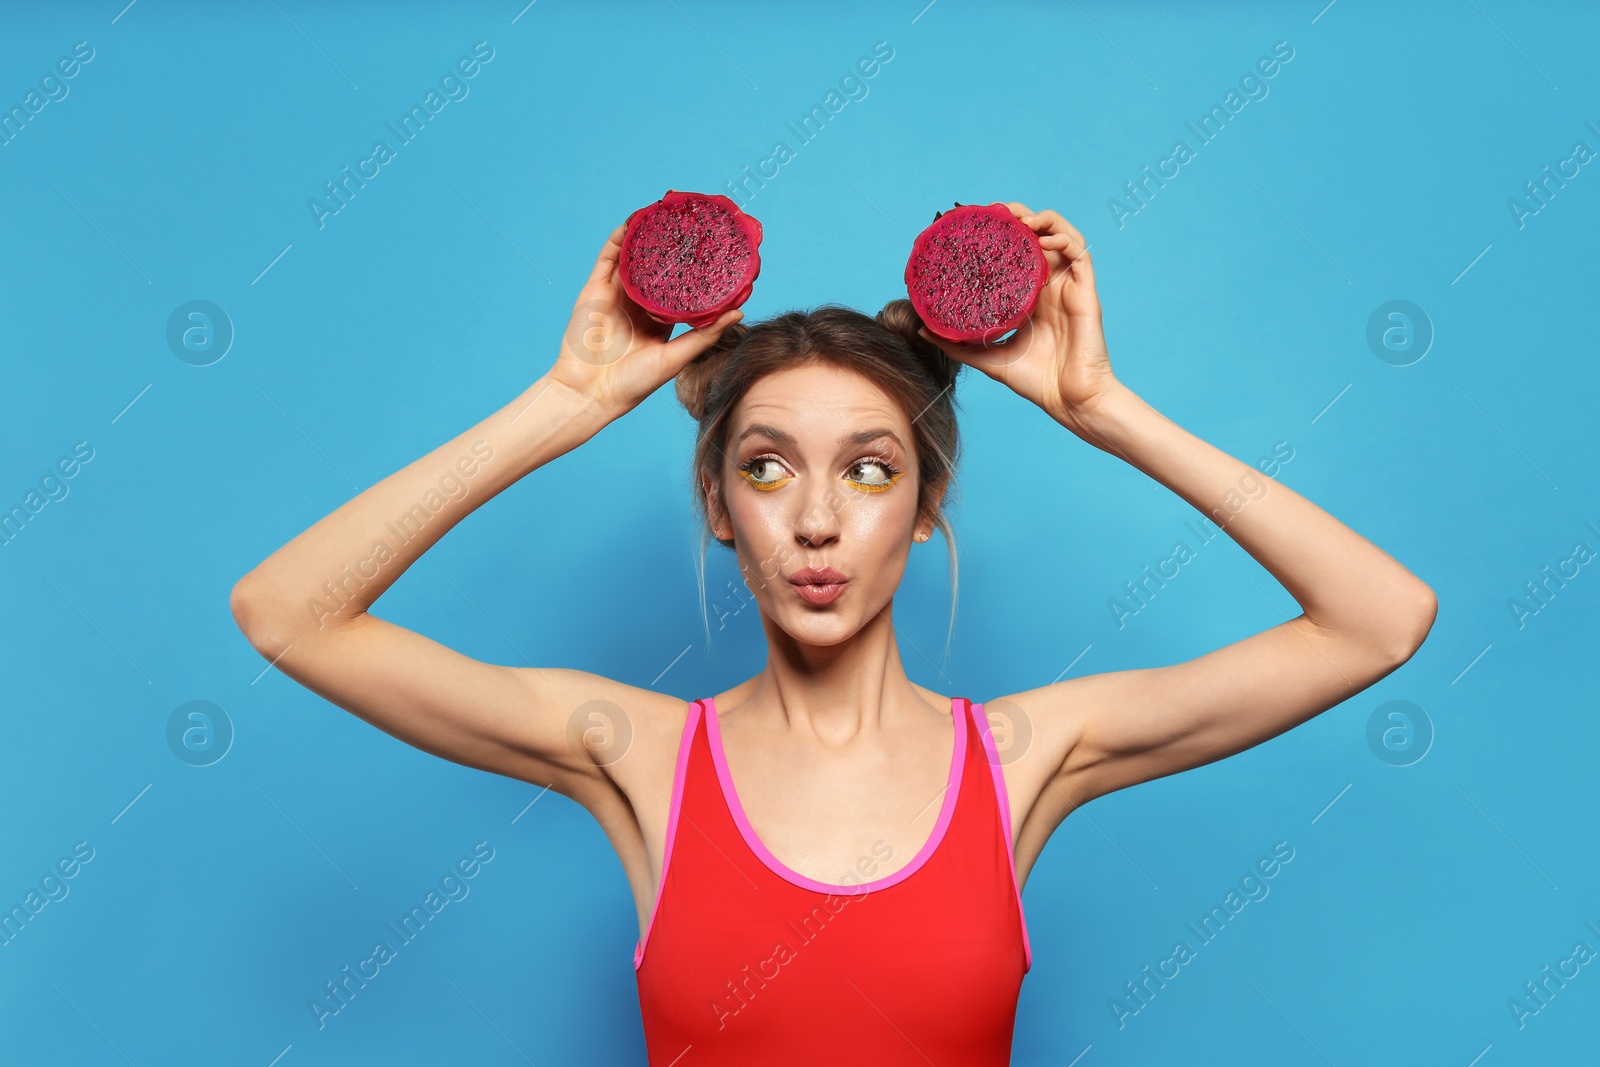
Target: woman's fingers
(986, 358)
(1083, 271)
(1051, 224)
(1073, 230)
(1063, 238)
(1061, 227)
(1062, 242)
(1052, 221)
(606, 262)
(680, 350)
(1070, 245)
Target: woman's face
(819, 472)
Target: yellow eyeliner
(767, 487)
(877, 487)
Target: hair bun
(901, 318)
(694, 380)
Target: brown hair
(886, 349)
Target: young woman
(827, 858)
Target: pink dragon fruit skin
(689, 257)
(975, 273)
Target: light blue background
(1378, 167)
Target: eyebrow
(860, 437)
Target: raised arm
(1362, 613)
(305, 607)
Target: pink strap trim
(736, 809)
(1005, 821)
(685, 743)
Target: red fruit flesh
(975, 274)
(689, 257)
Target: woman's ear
(716, 515)
(927, 522)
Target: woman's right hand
(612, 353)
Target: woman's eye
(763, 472)
(874, 473)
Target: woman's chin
(820, 626)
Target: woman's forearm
(1342, 581)
(333, 571)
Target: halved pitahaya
(975, 273)
(689, 257)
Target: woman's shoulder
(729, 700)
(938, 700)
(626, 732)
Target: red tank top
(745, 961)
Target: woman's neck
(833, 693)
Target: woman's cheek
(764, 553)
(880, 525)
(771, 566)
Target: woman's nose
(819, 522)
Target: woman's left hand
(1057, 358)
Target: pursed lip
(817, 576)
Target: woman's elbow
(258, 616)
(1413, 624)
